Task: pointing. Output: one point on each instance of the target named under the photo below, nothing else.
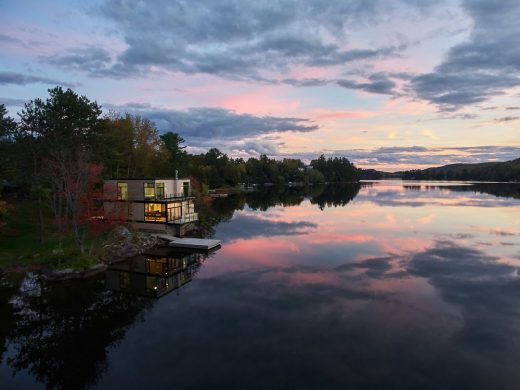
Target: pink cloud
(338, 114)
(260, 101)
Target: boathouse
(163, 205)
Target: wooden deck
(189, 243)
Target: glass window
(156, 266)
(159, 187)
(186, 188)
(174, 211)
(124, 281)
(122, 191)
(154, 283)
(155, 212)
(149, 190)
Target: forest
(125, 145)
(60, 149)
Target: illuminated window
(155, 212)
(156, 266)
(149, 190)
(174, 211)
(122, 191)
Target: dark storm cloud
(401, 75)
(377, 83)
(24, 79)
(211, 127)
(483, 67)
(306, 82)
(338, 58)
(90, 59)
(237, 40)
(453, 90)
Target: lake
(390, 284)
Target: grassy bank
(21, 246)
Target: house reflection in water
(153, 275)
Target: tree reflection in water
(7, 291)
(62, 333)
(222, 210)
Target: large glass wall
(174, 211)
(155, 212)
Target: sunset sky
(387, 84)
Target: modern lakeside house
(162, 205)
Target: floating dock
(189, 243)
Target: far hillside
(491, 171)
(372, 174)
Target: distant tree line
(500, 171)
(372, 174)
(216, 169)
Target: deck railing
(188, 217)
(179, 195)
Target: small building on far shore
(154, 204)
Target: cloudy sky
(388, 84)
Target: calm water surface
(388, 285)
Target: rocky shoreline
(69, 274)
(122, 245)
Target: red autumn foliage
(78, 197)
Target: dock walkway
(189, 243)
